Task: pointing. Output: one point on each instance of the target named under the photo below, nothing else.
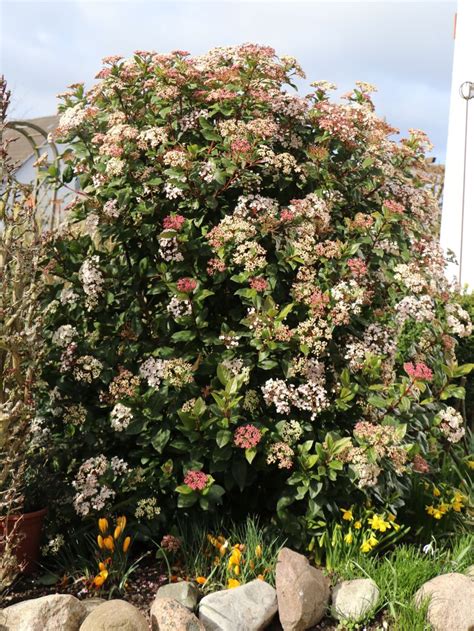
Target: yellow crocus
(201, 580)
(126, 544)
(232, 582)
(122, 522)
(117, 532)
(103, 525)
(100, 542)
(258, 551)
(109, 543)
(99, 580)
(236, 570)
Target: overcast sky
(404, 47)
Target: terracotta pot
(29, 528)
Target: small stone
(115, 615)
(451, 600)
(170, 615)
(302, 591)
(48, 613)
(249, 607)
(184, 592)
(351, 600)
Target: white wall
(463, 70)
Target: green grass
(203, 559)
(400, 573)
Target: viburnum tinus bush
(249, 310)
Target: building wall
(463, 70)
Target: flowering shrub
(249, 308)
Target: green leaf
(250, 454)
(239, 473)
(160, 439)
(183, 336)
(223, 437)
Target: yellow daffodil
(201, 580)
(348, 538)
(232, 582)
(258, 551)
(470, 464)
(365, 547)
(436, 491)
(357, 525)
(347, 514)
(373, 541)
(126, 544)
(103, 525)
(100, 541)
(109, 543)
(378, 523)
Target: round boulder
(115, 615)
(450, 602)
(48, 613)
(170, 615)
(352, 600)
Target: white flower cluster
(71, 119)
(410, 277)
(458, 320)
(451, 424)
(68, 296)
(91, 492)
(310, 396)
(419, 309)
(172, 191)
(179, 308)
(169, 250)
(152, 137)
(349, 297)
(115, 166)
(54, 545)
(291, 432)
(377, 340)
(121, 417)
(86, 369)
(75, 414)
(236, 367)
(152, 371)
(110, 209)
(64, 335)
(92, 281)
(176, 372)
(147, 508)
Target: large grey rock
(302, 591)
(90, 604)
(351, 600)
(170, 615)
(184, 592)
(470, 572)
(249, 607)
(48, 613)
(451, 602)
(115, 615)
